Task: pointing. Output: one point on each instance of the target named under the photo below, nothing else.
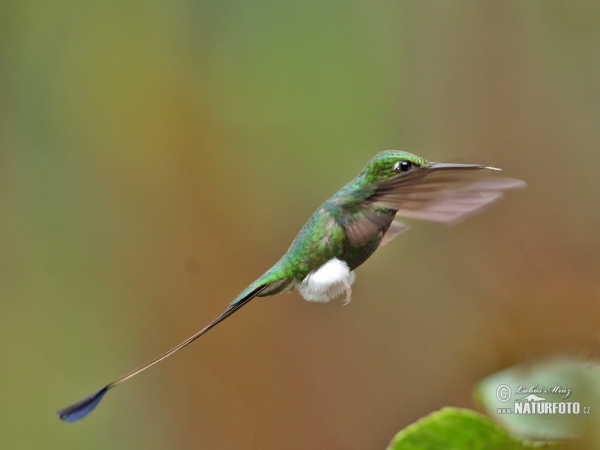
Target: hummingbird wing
(361, 219)
(450, 201)
(447, 198)
(396, 227)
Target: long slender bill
(452, 166)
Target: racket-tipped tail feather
(83, 407)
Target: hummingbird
(347, 229)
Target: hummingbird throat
(327, 282)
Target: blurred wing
(454, 202)
(361, 219)
(396, 227)
(363, 226)
(444, 197)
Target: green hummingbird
(345, 231)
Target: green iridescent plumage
(324, 237)
(345, 231)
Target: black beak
(450, 166)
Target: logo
(534, 403)
(503, 393)
(531, 398)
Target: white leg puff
(328, 281)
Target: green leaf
(505, 394)
(458, 429)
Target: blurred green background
(157, 156)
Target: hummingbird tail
(83, 407)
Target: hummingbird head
(399, 164)
(391, 164)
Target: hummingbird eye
(402, 166)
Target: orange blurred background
(156, 157)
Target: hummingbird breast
(320, 262)
(323, 258)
